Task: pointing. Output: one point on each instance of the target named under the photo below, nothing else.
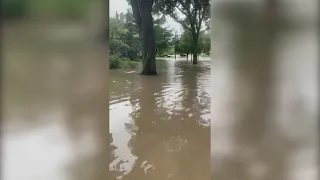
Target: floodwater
(160, 125)
(263, 119)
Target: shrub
(114, 61)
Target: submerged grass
(116, 62)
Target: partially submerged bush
(116, 61)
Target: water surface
(160, 125)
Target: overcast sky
(122, 6)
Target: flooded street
(160, 125)
(248, 113)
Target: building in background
(121, 17)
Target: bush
(114, 61)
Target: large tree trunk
(195, 37)
(142, 10)
(148, 39)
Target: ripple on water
(144, 111)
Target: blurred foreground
(264, 90)
(55, 115)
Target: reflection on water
(160, 125)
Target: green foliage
(205, 43)
(116, 29)
(117, 34)
(124, 42)
(192, 15)
(163, 36)
(195, 12)
(114, 61)
(124, 39)
(35, 8)
(118, 46)
(185, 43)
(14, 8)
(171, 49)
(132, 38)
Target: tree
(117, 32)
(163, 36)
(185, 43)
(175, 43)
(142, 11)
(205, 43)
(125, 40)
(195, 12)
(132, 38)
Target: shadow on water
(160, 124)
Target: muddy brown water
(56, 111)
(160, 125)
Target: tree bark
(136, 13)
(148, 39)
(195, 37)
(142, 10)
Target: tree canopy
(163, 36)
(143, 34)
(125, 41)
(191, 14)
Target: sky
(122, 6)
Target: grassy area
(204, 55)
(128, 64)
(116, 62)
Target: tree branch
(136, 12)
(181, 11)
(194, 18)
(184, 5)
(180, 22)
(201, 18)
(187, 14)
